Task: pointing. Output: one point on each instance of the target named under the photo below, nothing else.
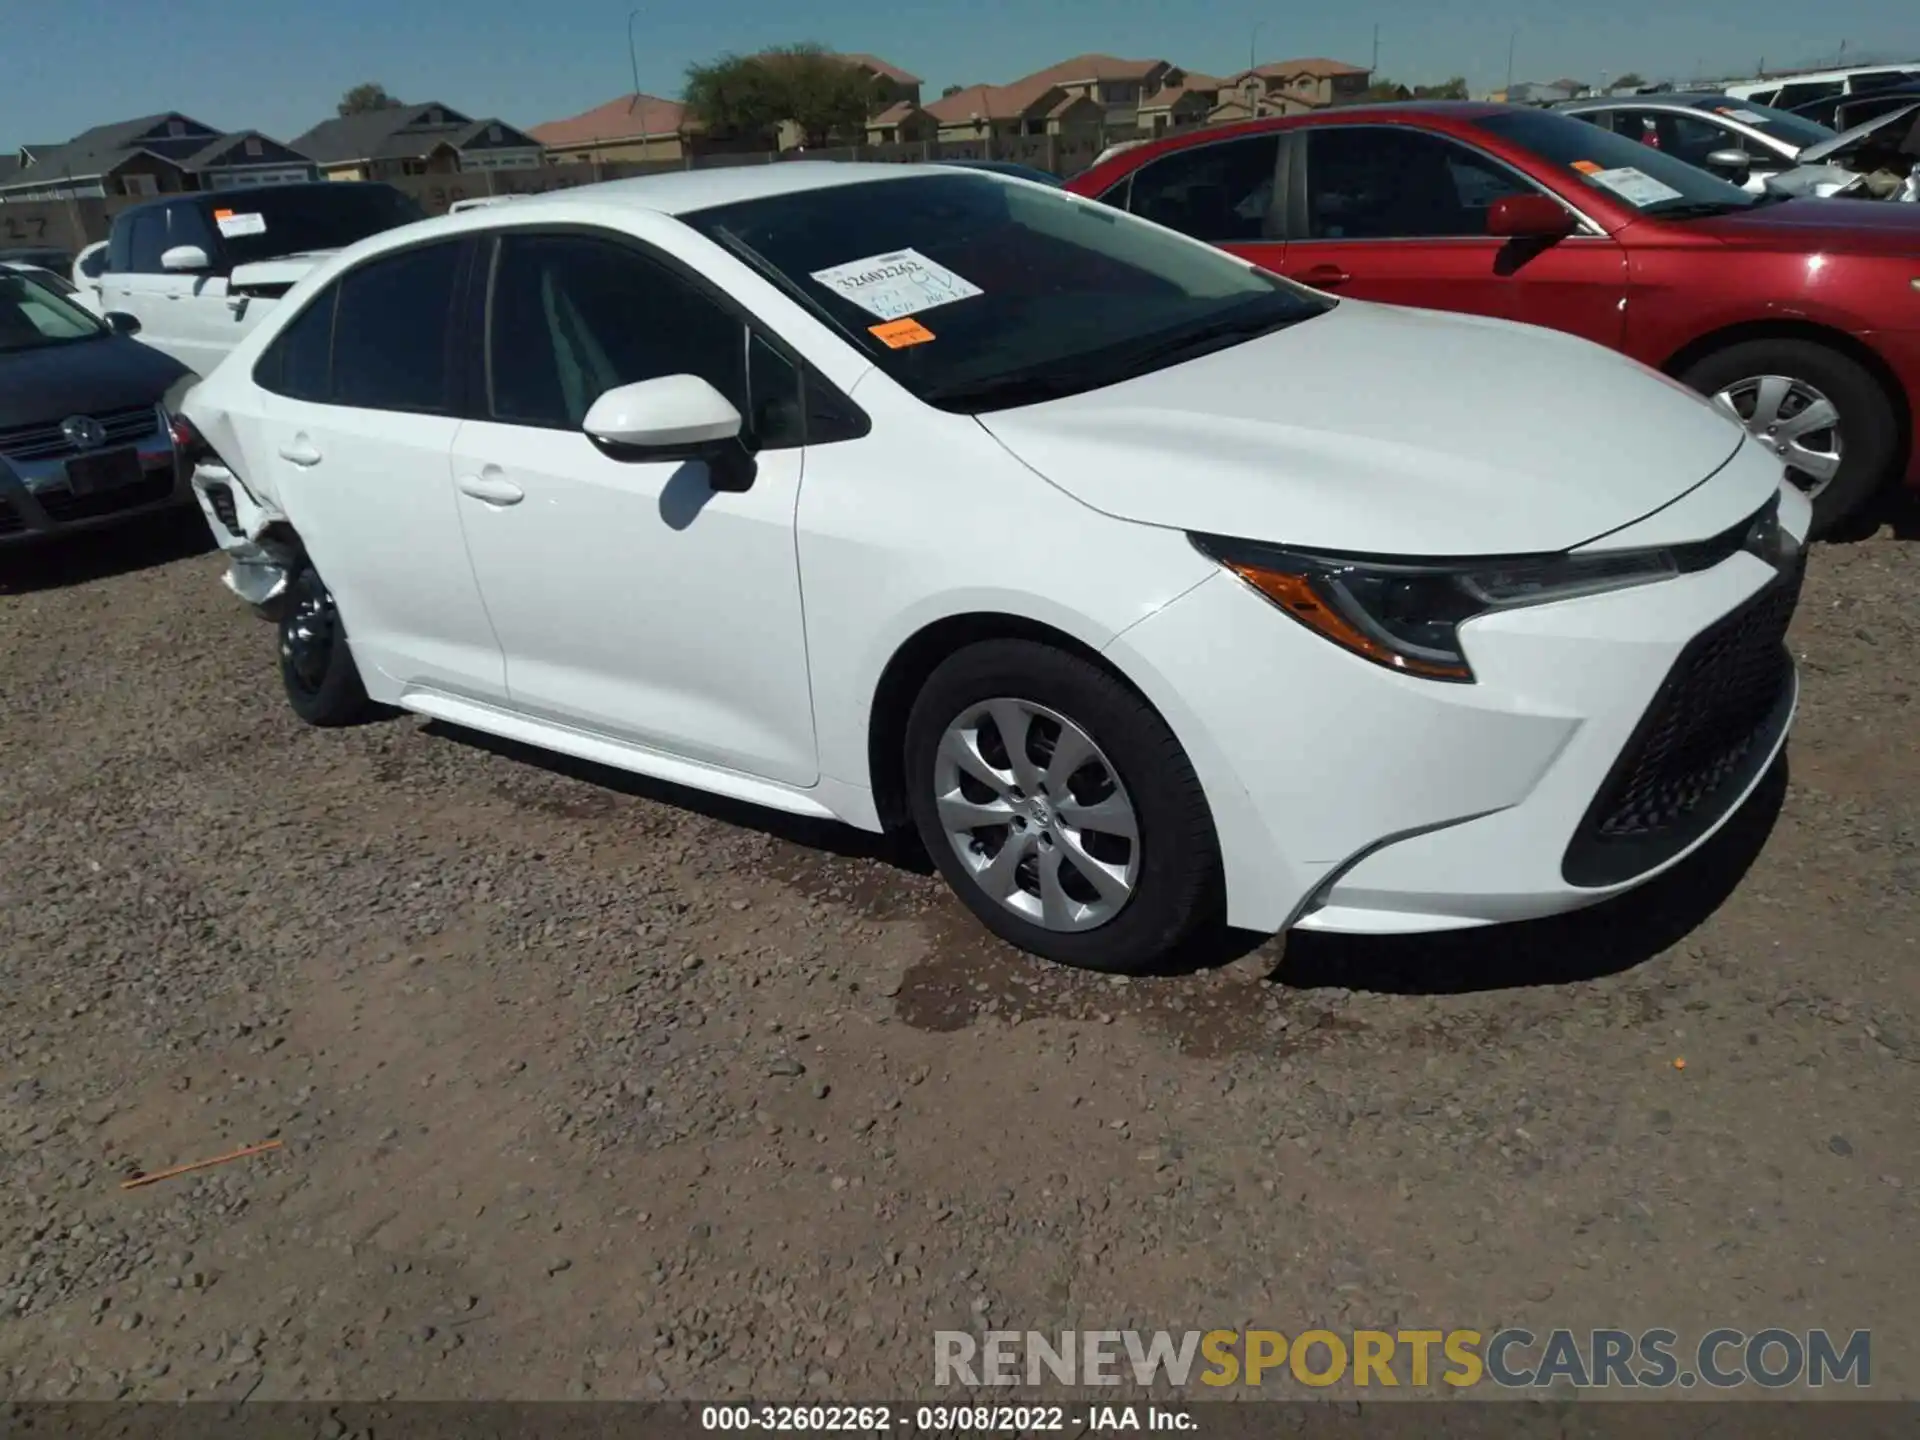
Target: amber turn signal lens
(1296, 595)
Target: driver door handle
(1324, 276)
(301, 453)
(493, 488)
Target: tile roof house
(631, 127)
(901, 123)
(1290, 87)
(154, 154)
(1183, 98)
(427, 139)
(1033, 106)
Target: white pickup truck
(193, 273)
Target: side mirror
(184, 258)
(1734, 164)
(121, 323)
(675, 417)
(1529, 217)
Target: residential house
(1291, 87)
(633, 127)
(1117, 86)
(904, 122)
(153, 155)
(427, 139)
(1034, 106)
(1184, 98)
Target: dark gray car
(86, 431)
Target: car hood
(1847, 140)
(1387, 430)
(281, 270)
(81, 377)
(1845, 226)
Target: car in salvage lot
(1149, 588)
(86, 424)
(1802, 317)
(193, 273)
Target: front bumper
(1349, 798)
(38, 503)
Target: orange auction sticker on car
(1587, 167)
(898, 334)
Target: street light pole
(633, 59)
(1512, 40)
(1253, 43)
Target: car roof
(210, 197)
(1670, 99)
(679, 192)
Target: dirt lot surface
(588, 1087)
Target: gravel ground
(591, 1087)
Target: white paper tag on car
(247, 222)
(1636, 187)
(901, 282)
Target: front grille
(220, 497)
(1709, 729)
(45, 442)
(63, 506)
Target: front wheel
(1060, 807)
(1820, 411)
(316, 664)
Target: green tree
(749, 96)
(951, 90)
(371, 95)
(1454, 89)
(1629, 81)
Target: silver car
(1736, 139)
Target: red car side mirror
(1529, 217)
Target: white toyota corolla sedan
(1149, 588)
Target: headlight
(1406, 615)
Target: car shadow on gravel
(827, 836)
(1605, 939)
(81, 559)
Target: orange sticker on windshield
(898, 334)
(1587, 167)
(223, 214)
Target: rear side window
(391, 331)
(1219, 193)
(299, 362)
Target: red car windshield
(1624, 170)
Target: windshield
(32, 316)
(1625, 170)
(269, 223)
(1795, 130)
(976, 295)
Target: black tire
(1177, 889)
(1869, 424)
(322, 682)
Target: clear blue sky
(281, 67)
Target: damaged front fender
(262, 556)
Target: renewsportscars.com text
(1657, 1359)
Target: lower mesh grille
(1708, 730)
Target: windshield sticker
(897, 284)
(1587, 167)
(1746, 116)
(898, 334)
(1636, 187)
(246, 222)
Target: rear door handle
(301, 453)
(493, 488)
(1325, 276)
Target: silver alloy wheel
(1793, 420)
(1037, 814)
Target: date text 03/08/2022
(943, 1419)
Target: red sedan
(1801, 316)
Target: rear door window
(1221, 193)
(392, 331)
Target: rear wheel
(316, 663)
(1060, 807)
(1820, 411)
